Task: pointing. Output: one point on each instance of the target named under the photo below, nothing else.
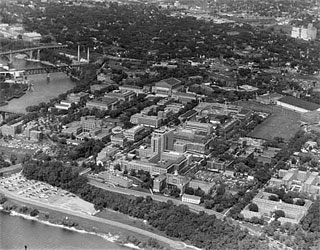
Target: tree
(175, 192)
(34, 212)
(274, 198)
(117, 167)
(13, 159)
(253, 207)
(209, 204)
(278, 214)
(219, 208)
(3, 199)
(133, 172)
(189, 190)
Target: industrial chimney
(78, 53)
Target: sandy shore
(97, 225)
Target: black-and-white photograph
(159, 124)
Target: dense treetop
(201, 230)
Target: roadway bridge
(53, 69)
(31, 50)
(43, 70)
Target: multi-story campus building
(133, 88)
(308, 34)
(162, 140)
(77, 97)
(166, 87)
(133, 133)
(187, 140)
(89, 123)
(191, 199)
(124, 96)
(301, 181)
(298, 105)
(146, 120)
(115, 179)
(103, 103)
(200, 127)
(157, 159)
(293, 213)
(12, 129)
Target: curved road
(173, 244)
(193, 207)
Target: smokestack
(88, 56)
(78, 53)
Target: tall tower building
(161, 140)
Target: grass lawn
(125, 219)
(281, 122)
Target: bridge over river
(29, 51)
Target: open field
(281, 122)
(43, 91)
(39, 191)
(126, 219)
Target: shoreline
(126, 236)
(128, 233)
(108, 237)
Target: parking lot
(25, 145)
(44, 193)
(32, 189)
(232, 182)
(207, 176)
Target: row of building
(266, 207)
(15, 32)
(29, 131)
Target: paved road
(192, 207)
(173, 244)
(155, 197)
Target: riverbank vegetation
(202, 230)
(78, 224)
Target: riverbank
(120, 236)
(41, 91)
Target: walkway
(173, 244)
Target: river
(41, 91)
(16, 232)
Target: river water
(16, 232)
(41, 91)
